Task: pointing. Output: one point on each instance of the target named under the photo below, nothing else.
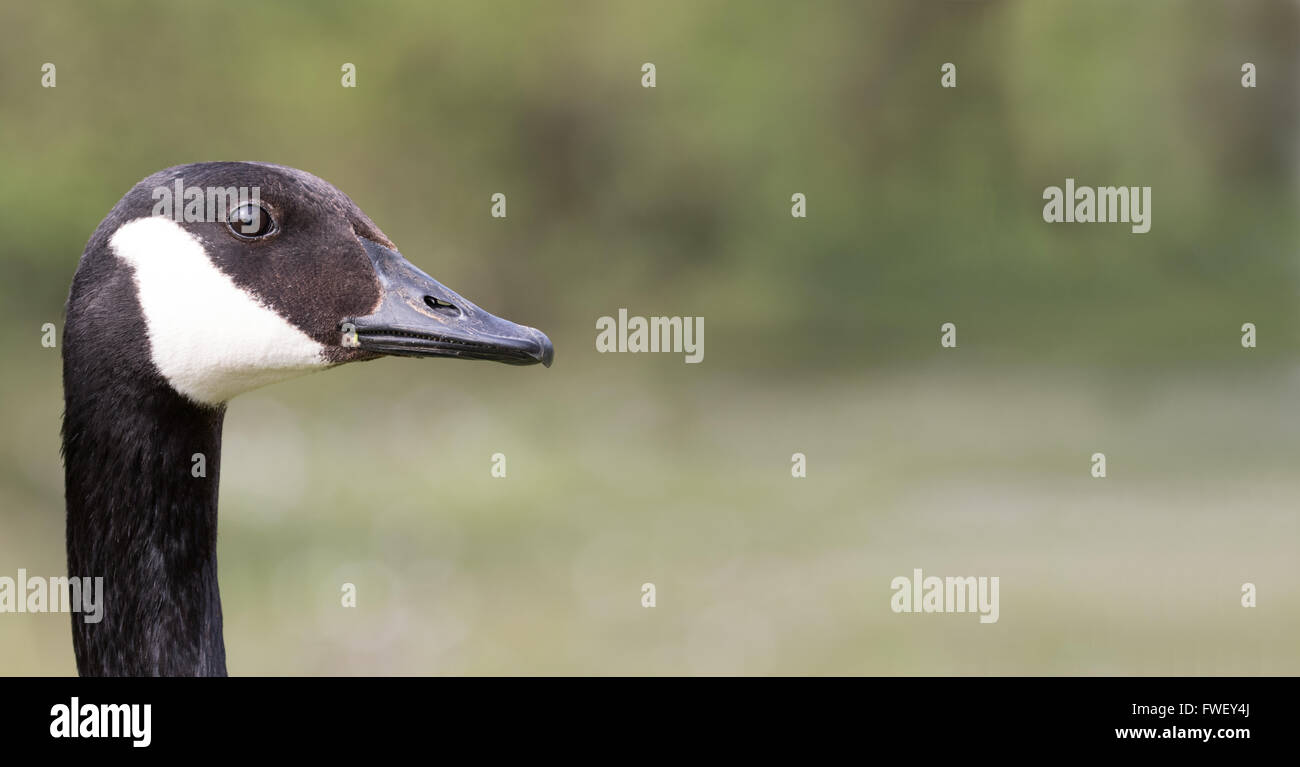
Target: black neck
(138, 517)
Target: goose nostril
(442, 307)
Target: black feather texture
(135, 514)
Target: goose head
(187, 295)
(237, 291)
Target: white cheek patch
(208, 337)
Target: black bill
(420, 317)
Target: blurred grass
(924, 207)
(367, 476)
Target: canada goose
(168, 320)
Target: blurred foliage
(924, 203)
(821, 334)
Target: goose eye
(250, 222)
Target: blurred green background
(924, 207)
